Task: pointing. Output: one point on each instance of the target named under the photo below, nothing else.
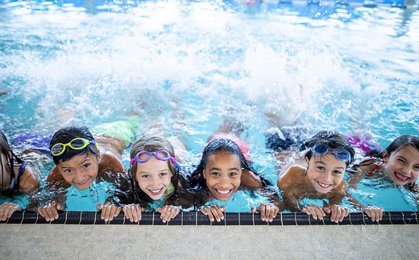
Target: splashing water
(350, 69)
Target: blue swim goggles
(162, 155)
(322, 149)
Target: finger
(317, 212)
(105, 213)
(165, 213)
(11, 210)
(128, 213)
(138, 211)
(342, 214)
(51, 212)
(118, 210)
(112, 212)
(338, 213)
(381, 213)
(208, 212)
(327, 210)
(215, 213)
(175, 212)
(272, 212)
(263, 212)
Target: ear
(99, 158)
(204, 174)
(386, 155)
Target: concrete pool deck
(208, 242)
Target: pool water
(352, 69)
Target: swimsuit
(286, 138)
(122, 129)
(33, 142)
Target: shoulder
(294, 174)
(30, 179)
(109, 162)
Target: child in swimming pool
(17, 178)
(89, 171)
(158, 183)
(399, 162)
(223, 169)
(329, 154)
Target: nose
(224, 182)
(78, 176)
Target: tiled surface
(205, 242)
(197, 218)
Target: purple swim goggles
(162, 155)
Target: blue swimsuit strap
(22, 168)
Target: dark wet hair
(8, 153)
(197, 180)
(67, 134)
(333, 140)
(152, 143)
(401, 142)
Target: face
(403, 165)
(153, 177)
(80, 171)
(222, 174)
(325, 173)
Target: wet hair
(153, 143)
(399, 143)
(8, 153)
(67, 134)
(333, 140)
(197, 180)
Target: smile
(156, 192)
(82, 183)
(224, 192)
(401, 177)
(324, 185)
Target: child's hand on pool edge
(338, 213)
(315, 211)
(168, 212)
(133, 212)
(50, 210)
(267, 211)
(109, 211)
(7, 209)
(375, 213)
(214, 212)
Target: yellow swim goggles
(75, 144)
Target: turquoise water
(353, 69)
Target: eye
(86, 165)
(232, 174)
(416, 167)
(145, 176)
(401, 160)
(337, 172)
(68, 171)
(215, 173)
(162, 174)
(320, 168)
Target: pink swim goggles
(162, 155)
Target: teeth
(223, 191)
(324, 185)
(402, 177)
